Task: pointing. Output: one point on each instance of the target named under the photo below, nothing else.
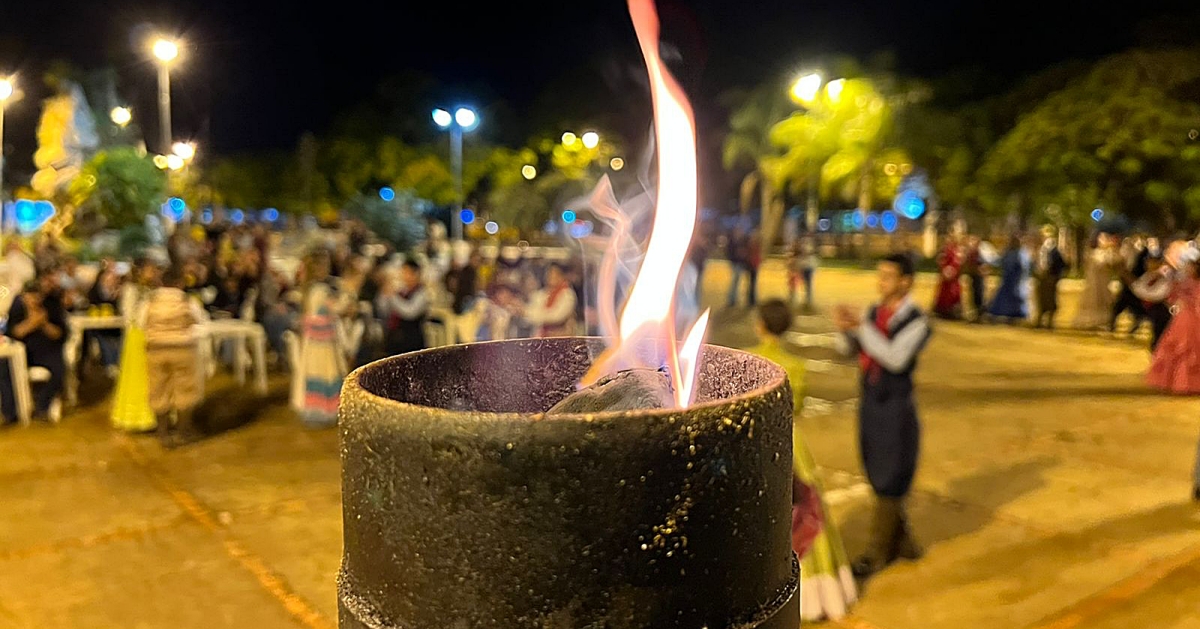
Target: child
(172, 357)
(322, 362)
(887, 342)
(827, 585)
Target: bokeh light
(270, 215)
(186, 150)
(491, 227)
(856, 219)
(591, 139)
(6, 89)
(120, 116)
(165, 49)
(528, 171)
(467, 216)
(834, 90)
(1097, 214)
(616, 163)
(824, 224)
(569, 139)
(237, 217)
(387, 194)
(888, 221)
(568, 216)
(174, 162)
(872, 220)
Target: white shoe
(56, 410)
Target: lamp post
(165, 51)
(463, 119)
(6, 91)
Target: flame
(649, 313)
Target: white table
(76, 326)
(18, 369)
(243, 334)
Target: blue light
(909, 204)
(888, 221)
(206, 216)
(847, 221)
(824, 224)
(582, 229)
(1097, 214)
(387, 194)
(237, 216)
(491, 227)
(856, 219)
(31, 215)
(177, 204)
(568, 216)
(467, 215)
(872, 220)
(270, 215)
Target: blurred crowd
(342, 300)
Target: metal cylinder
(466, 507)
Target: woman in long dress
(322, 362)
(131, 404)
(1011, 299)
(1175, 366)
(948, 303)
(1096, 301)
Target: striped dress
(324, 368)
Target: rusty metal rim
(353, 389)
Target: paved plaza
(1052, 492)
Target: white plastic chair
(40, 375)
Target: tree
(1121, 137)
(748, 148)
(117, 188)
(396, 222)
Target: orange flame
(649, 312)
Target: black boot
(1196, 493)
(884, 523)
(904, 546)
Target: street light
(616, 163)
(834, 90)
(174, 162)
(528, 171)
(6, 92)
(185, 150)
(806, 87)
(464, 119)
(569, 139)
(120, 116)
(165, 51)
(591, 139)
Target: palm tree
(748, 147)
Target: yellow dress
(827, 586)
(131, 403)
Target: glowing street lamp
(6, 92)
(165, 51)
(834, 90)
(528, 171)
(174, 162)
(463, 119)
(120, 116)
(591, 139)
(185, 150)
(806, 87)
(616, 163)
(569, 139)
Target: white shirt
(540, 312)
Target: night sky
(257, 74)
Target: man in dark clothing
(1127, 300)
(973, 269)
(887, 341)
